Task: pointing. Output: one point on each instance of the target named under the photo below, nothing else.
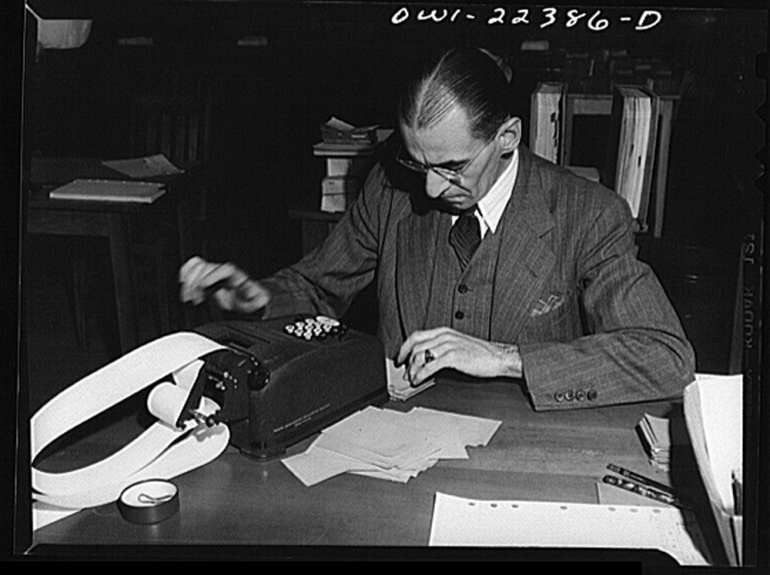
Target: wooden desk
(554, 456)
(170, 215)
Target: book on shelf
(353, 148)
(548, 105)
(632, 144)
(109, 191)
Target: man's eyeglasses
(449, 174)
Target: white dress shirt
(490, 208)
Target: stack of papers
(656, 440)
(336, 131)
(399, 388)
(713, 409)
(389, 444)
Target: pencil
(644, 491)
(641, 479)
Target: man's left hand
(431, 350)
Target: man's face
(450, 144)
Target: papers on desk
(147, 167)
(467, 522)
(657, 440)
(389, 444)
(713, 409)
(400, 389)
(109, 191)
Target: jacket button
(569, 395)
(462, 288)
(591, 395)
(580, 395)
(459, 315)
(558, 396)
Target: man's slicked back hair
(465, 77)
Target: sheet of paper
(376, 436)
(713, 408)
(389, 444)
(442, 430)
(720, 430)
(44, 514)
(473, 430)
(317, 464)
(147, 167)
(458, 521)
(611, 495)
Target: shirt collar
(490, 208)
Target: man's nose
(435, 185)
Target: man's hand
(231, 288)
(431, 350)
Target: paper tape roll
(150, 501)
(166, 402)
(162, 451)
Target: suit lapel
(415, 261)
(525, 260)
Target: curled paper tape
(161, 452)
(150, 501)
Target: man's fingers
(415, 339)
(200, 278)
(254, 293)
(184, 271)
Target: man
(552, 294)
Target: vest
(463, 300)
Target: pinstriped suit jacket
(593, 323)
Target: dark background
(348, 60)
(317, 60)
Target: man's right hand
(231, 288)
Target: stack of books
(344, 178)
(349, 155)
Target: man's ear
(509, 135)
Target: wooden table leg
(123, 280)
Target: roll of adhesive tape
(150, 501)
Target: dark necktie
(465, 236)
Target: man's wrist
(510, 360)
